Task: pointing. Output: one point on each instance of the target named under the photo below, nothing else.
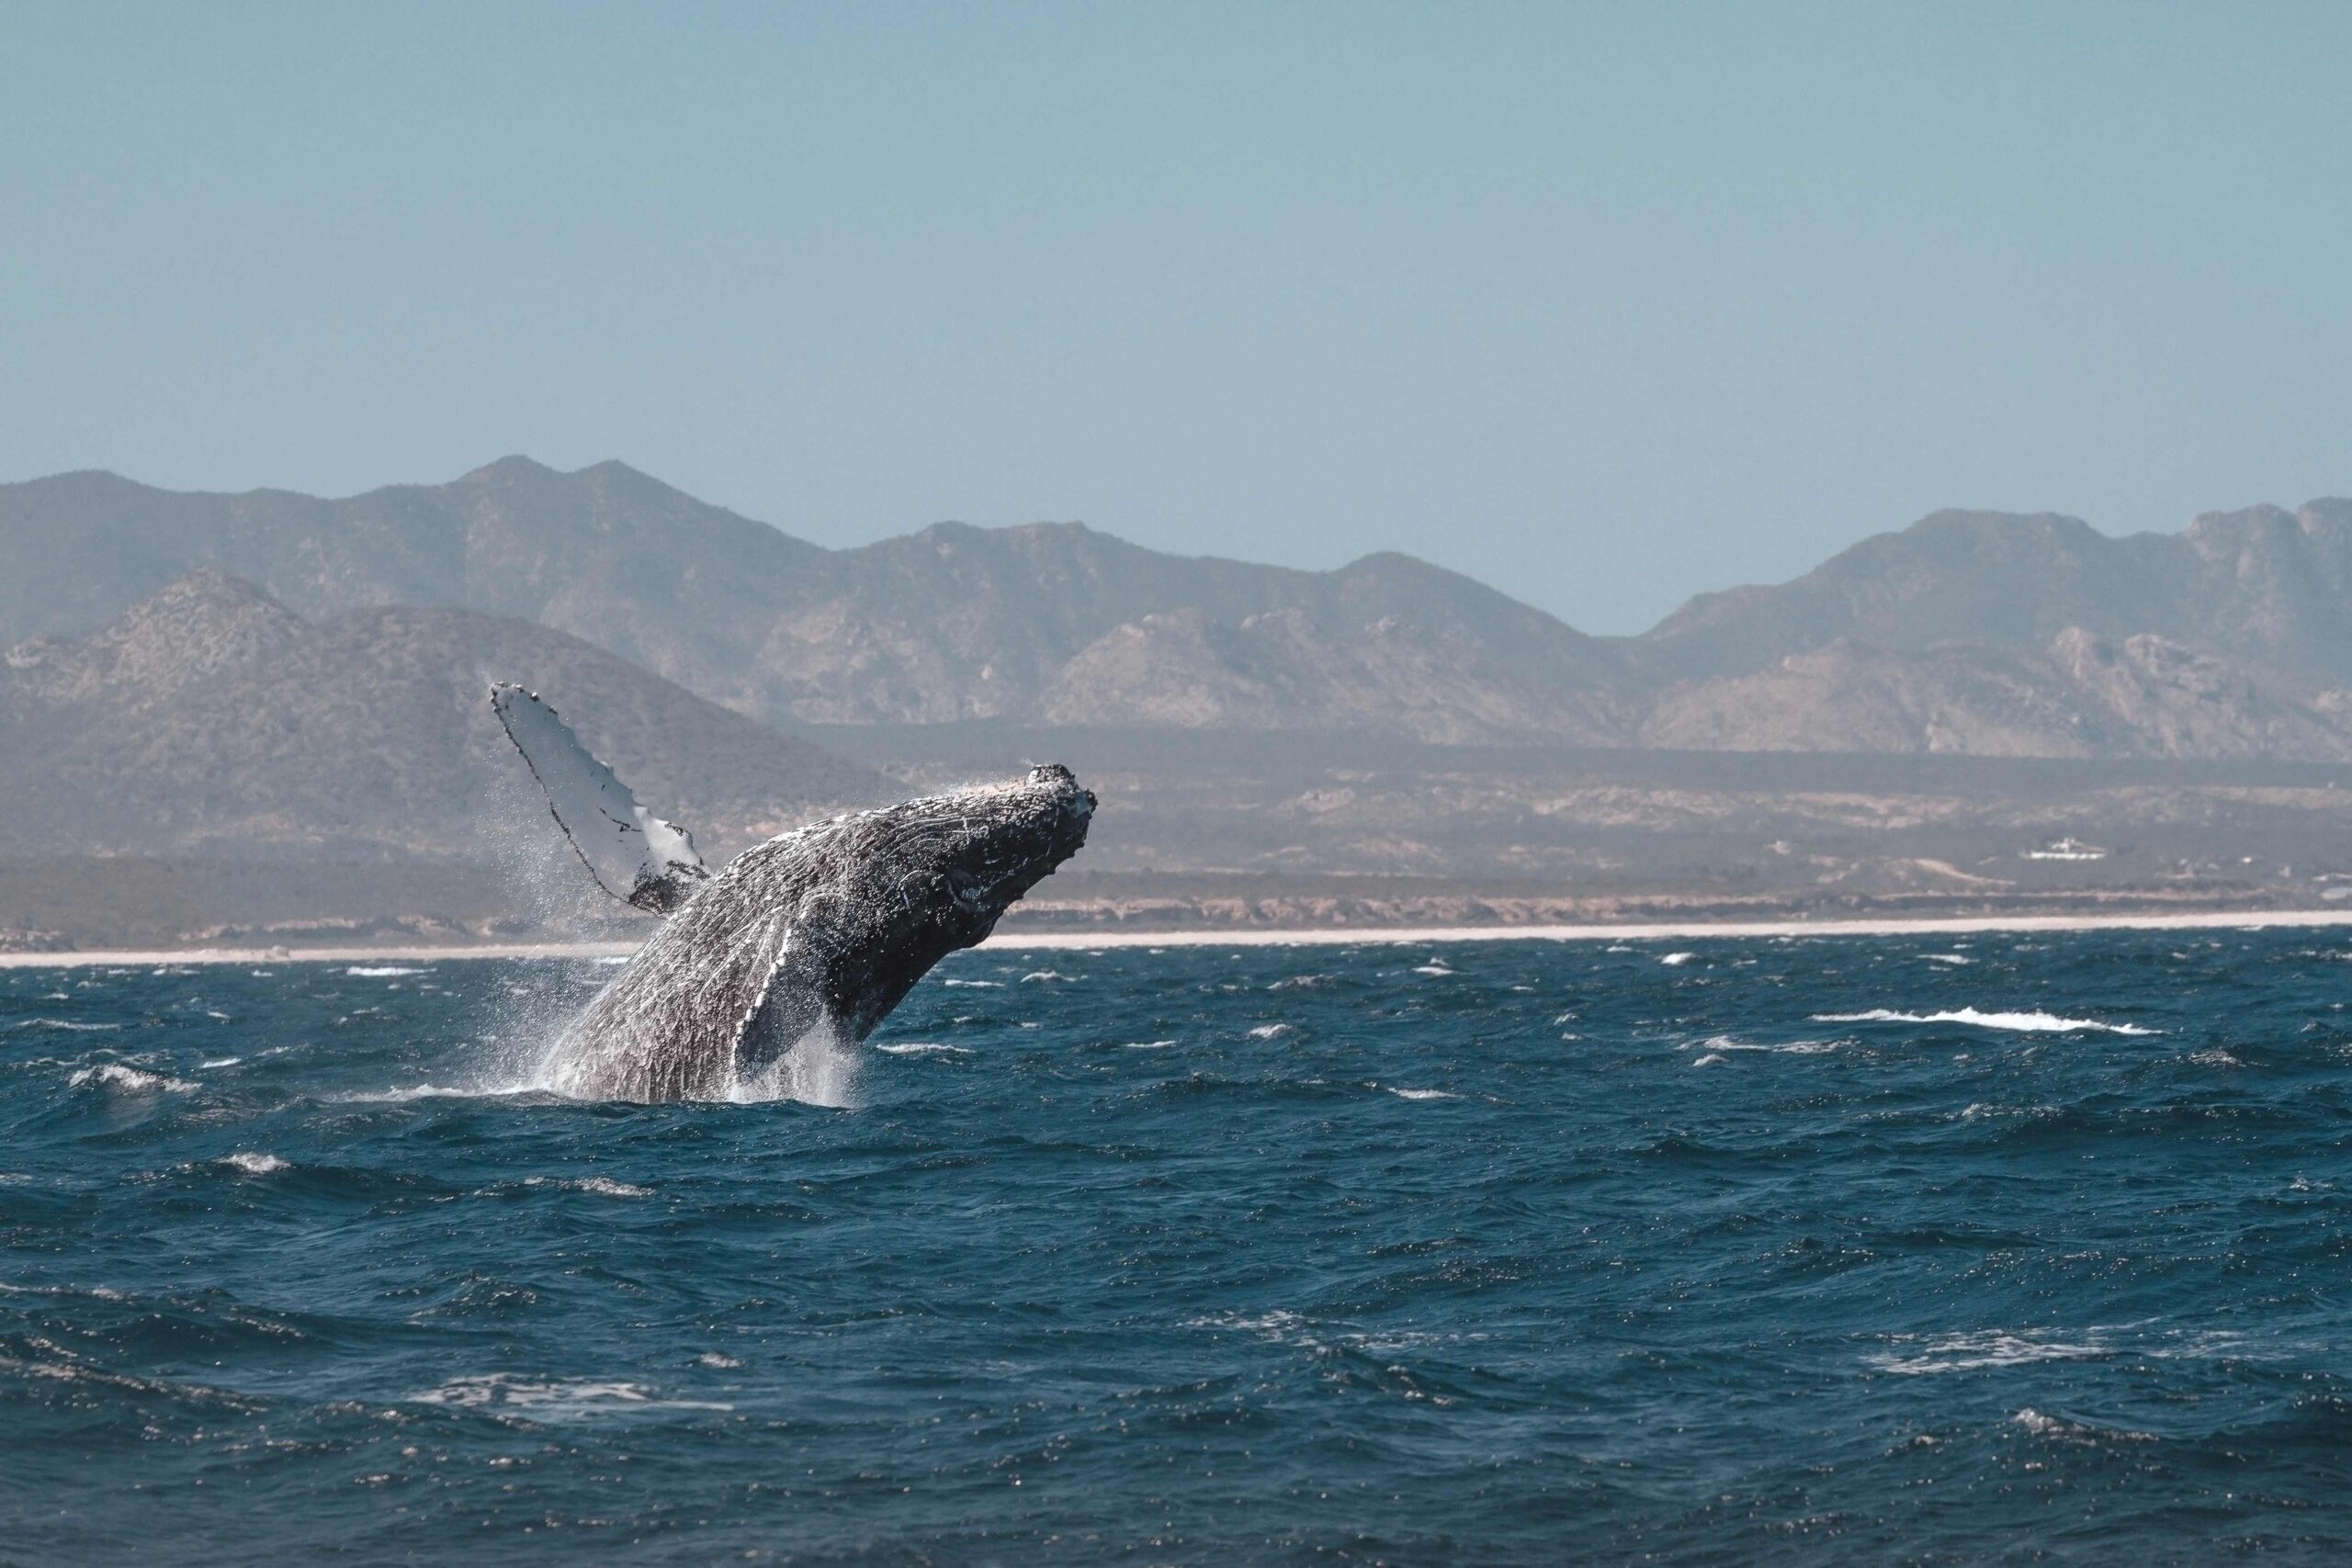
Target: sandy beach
(1401, 936)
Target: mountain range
(209, 716)
(1980, 632)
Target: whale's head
(914, 882)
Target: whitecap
(1985, 1349)
(1422, 1094)
(379, 971)
(2022, 1023)
(1277, 1325)
(717, 1359)
(1148, 1045)
(1673, 960)
(2042, 1426)
(72, 1025)
(1036, 975)
(1431, 968)
(1268, 1030)
(431, 1091)
(221, 1062)
(602, 1186)
(1947, 958)
(1787, 1048)
(1711, 1059)
(552, 1399)
(115, 1075)
(923, 1048)
(255, 1164)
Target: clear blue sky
(1604, 304)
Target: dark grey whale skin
(833, 921)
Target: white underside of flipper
(633, 854)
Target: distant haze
(1602, 305)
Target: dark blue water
(1528, 1252)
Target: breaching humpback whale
(825, 927)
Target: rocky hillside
(2268, 588)
(1972, 632)
(952, 623)
(208, 715)
(2079, 696)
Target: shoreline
(1396, 936)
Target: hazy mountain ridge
(2081, 697)
(1977, 632)
(950, 623)
(2265, 586)
(209, 714)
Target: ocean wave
(1282, 1326)
(2020, 1022)
(51, 1360)
(1674, 960)
(1040, 975)
(1984, 1110)
(1422, 1093)
(379, 971)
(114, 1075)
(1984, 1349)
(923, 1048)
(73, 1026)
(974, 985)
(2042, 1425)
(1786, 1048)
(255, 1164)
(601, 1186)
(1268, 1030)
(432, 1092)
(552, 1399)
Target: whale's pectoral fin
(634, 855)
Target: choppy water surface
(1724, 1251)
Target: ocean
(1873, 1249)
